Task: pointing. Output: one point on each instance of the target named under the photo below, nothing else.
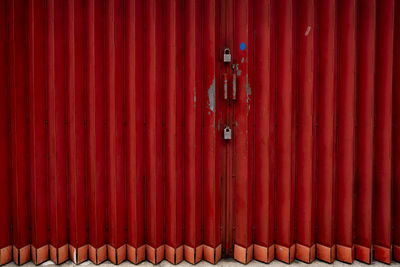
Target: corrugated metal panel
(112, 119)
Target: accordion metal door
(199, 129)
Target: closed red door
(199, 129)
(247, 190)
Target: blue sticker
(242, 46)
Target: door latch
(227, 133)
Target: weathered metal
(199, 129)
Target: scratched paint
(211, 97)
(239, 71)
(307, 31)
(248, 90)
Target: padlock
(227, 55)
(227, 133)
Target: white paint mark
(47, 263)
(194, 98)
(211, 96)
(307, 31)
(85, 263)
(74, 259)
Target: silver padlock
(227, 55)
(227, 133)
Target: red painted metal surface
(112, 120)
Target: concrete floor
(223, 262)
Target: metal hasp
(227, 55)
(227, 133)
